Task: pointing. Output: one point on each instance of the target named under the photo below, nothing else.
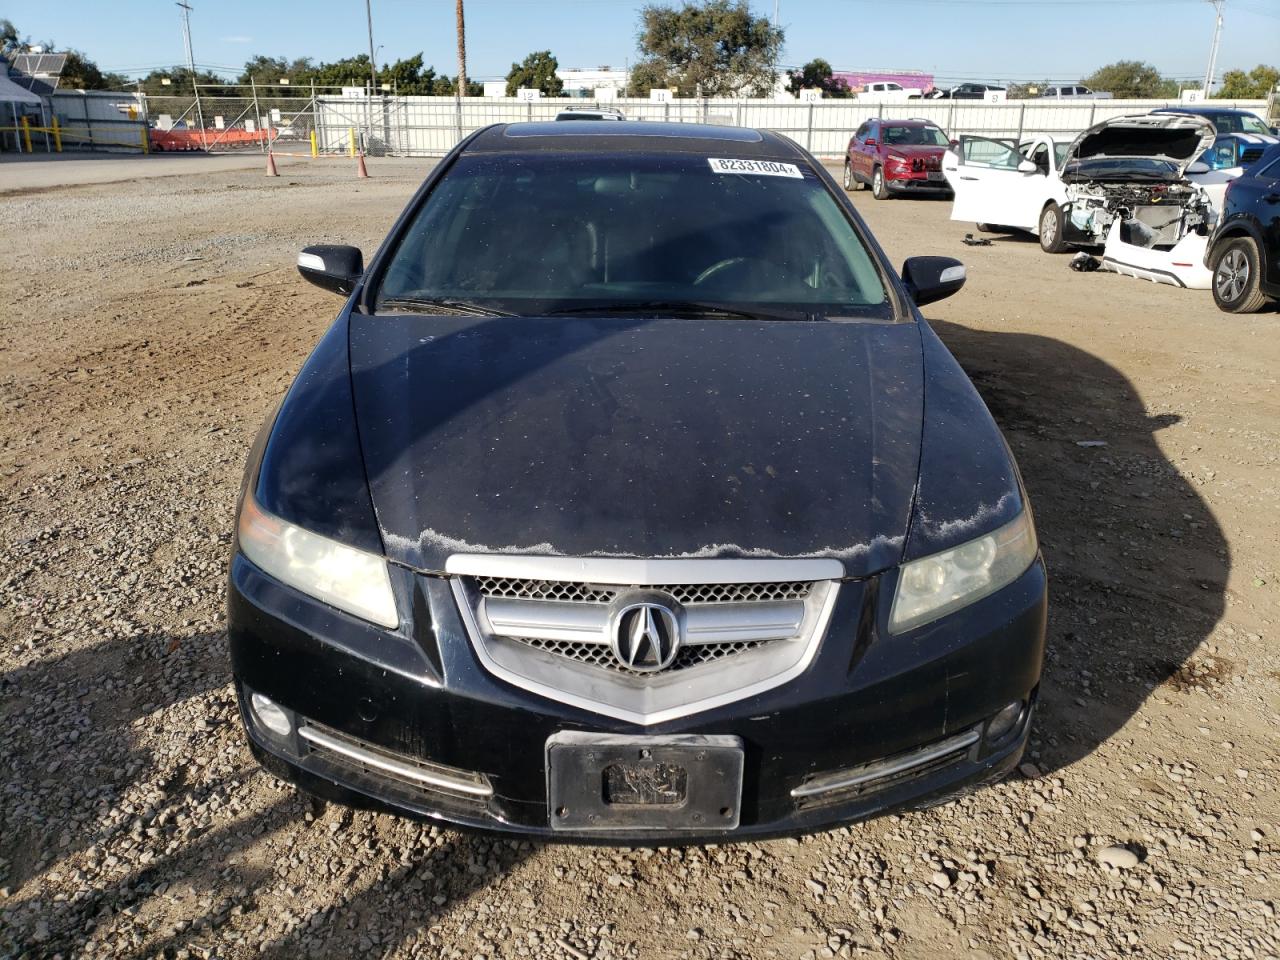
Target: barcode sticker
(767, 168)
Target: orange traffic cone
(271, 165)
(362, 171)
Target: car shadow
(117, 802)
(1137, 563)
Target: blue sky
(955, 39)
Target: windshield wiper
(441, 305)
(684, 307)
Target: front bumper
(398, 703)
(915, 182)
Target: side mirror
(932, 278)
(871, 141)
(333, 267)
(1199, 167)
(1026, 166)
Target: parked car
(1224, 119)
(1245, 253)
(965, 91)
(1123, 184)
(1237, 151)
(590, 113)
(1072, 92)
(887, 91)
(897, 157)
(583, 520)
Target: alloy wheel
(1233, 275)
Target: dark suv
(897, 156)
(1244, 253)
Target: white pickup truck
(886, 91)
(1068, 91)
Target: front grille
(514, 589)
(548, 625)
(601, 655)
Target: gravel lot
(150, 325)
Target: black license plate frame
(582, 768)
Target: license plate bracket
(934, 175)
(609, 782)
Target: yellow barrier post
(146, 140)
(351, 132)
(26, 134)
(315, 149)
(57, 135)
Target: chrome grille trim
(409, 770)
(630, 572)
(884, 769)
(557, 647)
(588, 622)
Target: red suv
(897, 156)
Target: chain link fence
(331, 121)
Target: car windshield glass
(1253, 125)
(540, 233)
(915, 136)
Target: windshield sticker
(767, 168)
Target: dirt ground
(150, 325)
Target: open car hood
(1175, 139)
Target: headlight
(342, 576)
(934, 586)
(897, 160)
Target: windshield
(540, 233)
(916, 136)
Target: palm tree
(462, 53)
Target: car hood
(624, 437)
(915, 149)
(1173, 139)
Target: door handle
(967, 178)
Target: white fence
(431, 126)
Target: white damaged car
(1128, 185)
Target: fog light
(270, 715)
(1004, 721)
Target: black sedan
(1244, 253)
(629, 498)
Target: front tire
(1051, 229)
(1237, 276)
(879, 189)
(849, 182)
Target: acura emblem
(645, 636)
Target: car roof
(633, 136)
(912, 122)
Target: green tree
(1254, 85)
(10, 41)
(538, 71)
(179, 85)
(816, 75)
(81, 73)
(1126, 80)
(715, 48)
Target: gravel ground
(149, 326)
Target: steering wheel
(758, 272)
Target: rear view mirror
(1026, 166)
(932, 278)
(333, 267)
(1199, 167)
(871, 141)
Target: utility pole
(191, 66)
(775, 14)
(373, 68)
(1213, 50)
(462, 53)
